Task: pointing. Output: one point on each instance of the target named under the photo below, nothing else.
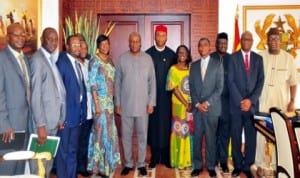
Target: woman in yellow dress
(177, 82)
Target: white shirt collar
(14, 52)
(159, 49)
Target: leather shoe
(236, 172)
(84, 173)
(126, 170)
(212, 173)
(248, 174)
(142, 171)
(168, 165)
(196, 172)
(152, 165)
(224, 168)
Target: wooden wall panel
(204, 13)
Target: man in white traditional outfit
(279, 88)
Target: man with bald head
(135, 97)
(245, 80)
(48, 91)
(14, 93)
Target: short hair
(80, 36)
(69, 38)
(203, 39)
(222, 35)
(101, 38)
(273, 31)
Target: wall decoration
(286, 18)
(24, 12)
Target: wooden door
(178, 30)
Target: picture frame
(27, 13)
(258, 20)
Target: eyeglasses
(274, 39)
(75, 45)
(17, 35)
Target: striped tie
(25, 76)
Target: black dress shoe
(126, 170)
(212, 173)
(224, 168)
(196, 172)
(152, 165)
(236, 172)
(168, 165)
(248, 174)
(142, 171)
(53, 171)
(84, 173)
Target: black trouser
(160, 155)
(83, 143)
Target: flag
(237, 40)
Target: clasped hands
(245, 105)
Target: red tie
(247, 63)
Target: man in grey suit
(135, 97)
(14, 94)
(48, 91)
(206, 86)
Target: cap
(161, 28)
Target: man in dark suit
(223, 132)
(206, 85)
(48, 91)
(159, 128)
(245, 80)
(14, 94)
(76, 108)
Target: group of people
(171, 101)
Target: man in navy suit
(76, 108)
(245, 80)
(206, 86)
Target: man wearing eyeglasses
(280, 85)
(14, 94)
(76, 108)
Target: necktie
(203, 69)
(25, 76)
(58, 81)
(247, 63)
(80, 77)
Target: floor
(163, 172)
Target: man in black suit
(223, 132)
(245, 80)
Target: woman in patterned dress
(103, 152)
(177, 82)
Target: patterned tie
(25, 76)
(203, 69)
(247, 68)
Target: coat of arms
(289, 34)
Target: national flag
(237, 40)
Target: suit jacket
(14, 107)
(76, 111)
(46, 104)
(209, 89)
(242, 86)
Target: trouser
(141, 125)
